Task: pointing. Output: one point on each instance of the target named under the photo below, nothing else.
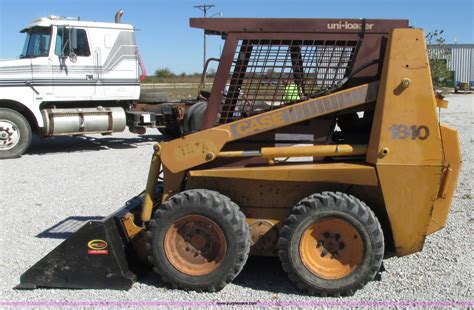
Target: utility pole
(204, 8)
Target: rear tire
(198, 240)
(194, 116)
(15, 134)
(331, 244)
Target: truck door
(74, 70)
(38, 50)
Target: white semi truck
(74, 77)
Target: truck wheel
(198, 240)
(15, 134)
(331, 244)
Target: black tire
(14, 126)
(193, 117)
(208, 205)
(345, 209)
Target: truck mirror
(73, 57)
(72, 44)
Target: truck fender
(35, 121)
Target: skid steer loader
(319, 143)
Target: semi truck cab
(72, 77)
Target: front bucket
(94, 257)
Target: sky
(166, 40)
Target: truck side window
(62, 43)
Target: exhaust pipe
(118, 16)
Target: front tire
(198, 240)
(331, 244)
(15, 134)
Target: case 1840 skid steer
(319, 143)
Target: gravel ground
(95, 175)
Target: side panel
(409, 192)
(452, 154)
(107, 68)
(405, 141)
(115, 54)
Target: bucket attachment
(97, 256)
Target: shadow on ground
(266, 274)
(259, 273)
(68, 144)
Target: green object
(449, 82)
(291, 92)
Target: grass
(181, 93)
(177, 79)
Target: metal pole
(204, 54)
(204, 8)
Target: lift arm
(193, 150)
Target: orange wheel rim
(331, 248)
(195, 245)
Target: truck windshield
(37, 42)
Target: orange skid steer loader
(351, 167)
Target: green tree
(164, 73)
(439, 57)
